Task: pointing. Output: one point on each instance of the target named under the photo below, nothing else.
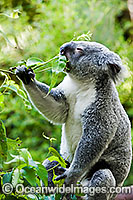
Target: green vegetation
(36, 29)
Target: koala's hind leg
(99, 185)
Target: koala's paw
(57, 169)
(25, 74)
(70, 177)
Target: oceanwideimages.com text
(21, 189)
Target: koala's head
(91, 60)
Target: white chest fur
(79, 96)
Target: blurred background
(38, 29)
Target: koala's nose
(65, 47)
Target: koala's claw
(62, 176)
(25, 74)
(61, 169)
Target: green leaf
(11, 85)
(33, 163)
(13, 144)
(24, 158)
(7, 177)
(21, 166)
(3, 143)
(85, 36)
(42, 173)
(60, 64)
(24, 153)
(16, 159)
(33, 61)
(62, 58)
(38, 182)
(56, 154)
(15, 177)
(29, 174)
(53, 80)
(54, 158)
(58, 67)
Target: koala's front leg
(52, 104)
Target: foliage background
(43, 26)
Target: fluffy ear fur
(117, 70)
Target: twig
(44, 63)
(34, 68)
(6, 71)
(44, 69)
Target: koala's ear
(115, 68)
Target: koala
(96, 132)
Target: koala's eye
(79, 50)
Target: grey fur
(103, 151)
(52, 105)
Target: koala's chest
(73, 126)
(72, 129)
(77, 104)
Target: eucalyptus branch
(44, 69)
(44, 63)
(6, 71)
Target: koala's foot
(57, 169)
(26, 75)
(99, 185)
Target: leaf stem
(44, 63)
(44, 69)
